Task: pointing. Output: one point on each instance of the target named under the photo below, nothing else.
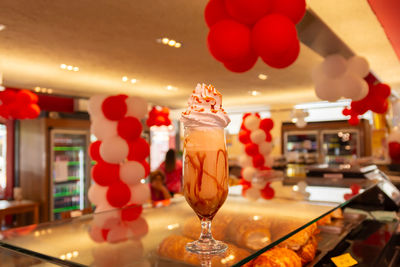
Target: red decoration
(138, 150)
(248, 11)
(105, 174)
(158, 117)
(242, 65)
(129, 128)
(245, 186)
(244, 137)
(114, 107)
(354, 120)
(118, 194)
(215, 11)
(268, 137)
(355, 190)
(131, 212)
(394, 151)
(266, 124)
(146, 167)
(285, 59)
(18, 104)
(267, 192)
(94, 151)
(251, 149)
(229, 41)
(104, 233)
(293, 9)
(258, 161)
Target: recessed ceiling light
(177, 45)
(262, 76)
(37, 89)
(171, 88)
(2, 27)
(69, 67)
(76, 69)
(133, 81)
(165, 40)
(124, 79)
(172, 43)
(49, 91)
(43, 90)
(63, 66)
(254, 93)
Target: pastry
(325, 220)
(278, 257)
(308, 251)
(337, 214)
(296, 241)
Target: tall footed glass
(205, 181)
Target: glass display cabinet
(309, 232)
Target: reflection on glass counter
(340, 146)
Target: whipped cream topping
(205, 108)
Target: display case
(310, 232)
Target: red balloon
(4, 111)
(94, 151)
(16, 112)
(346, 112)
(244, 137)
(146, 167)
(354, 120)
(26, 97)
(380, 106)
(394, 151)
(383, 90)
(355, 188)
(268, 137)
(118, 194)
(248, 11)
(273, 35)
(114, 107)
(242, 65)
(131, 212)
(8, 96)
(129, 128)
(215, 11)
(293, 9)
(251, 149)
(266, 124)
(33, 111)
(105, 174)
(160, 121)
(138, 150)
(359, 107)
(267, 192)
(229, 40)
(258, 161)
(245, 185)
(284, 60)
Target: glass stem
(205, 235)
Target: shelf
(68, 148)
(74, 163)
(66, 194)
(58, 210)
(70, 179)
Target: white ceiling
(110, 39)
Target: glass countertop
(159, 235)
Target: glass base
(210, 247)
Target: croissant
(298, 240)
(278, 257)
(307, 252)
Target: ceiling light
(165, 40)
(177, 45)
(76, 69)
(2, 27)
(43, 90)
(69, 67)
(49, 91)
(124, 79)
(254, 93)
(63, 66)
(37, 89)
(133, 81)
(172, 43)
(171, 88)
(262, 76)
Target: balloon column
(298, 117)
(337, 77)
(158, 117)
(18, 104)
(243, 30)
(255, 135)
(120, 153)
(394, 145)
(355, 190)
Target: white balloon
(334, 66)
(268, 161)
(358, 66)
(328, 90)
(138, 228)
(353, 86)
(97, 194)
(265, 148)
(301, 123)
(94, 105)
(114, 150)
(302, 186)
(248, 173)
(117, 234)
(131, 172)
(258, 183)
(252, 122)
(103, 214)
(245, 161)
(140, 194)
(103, 128)
(137, 107)
(317, 74)
(96, 234)
(253, 193)
(394, 136)
(258, 136)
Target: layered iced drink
(205, 171)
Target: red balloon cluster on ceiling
(20, 104)
(376, 101)
(243, 30)
(158, 117)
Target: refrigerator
(69, 171)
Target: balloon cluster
(18, 104)
(298, 117)
(337, 77)
(376, 101)
(120, 152)
(243, 30)
(158, 117)
(255, 135)
(355, 190)
(394, 145)
(120, 232)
